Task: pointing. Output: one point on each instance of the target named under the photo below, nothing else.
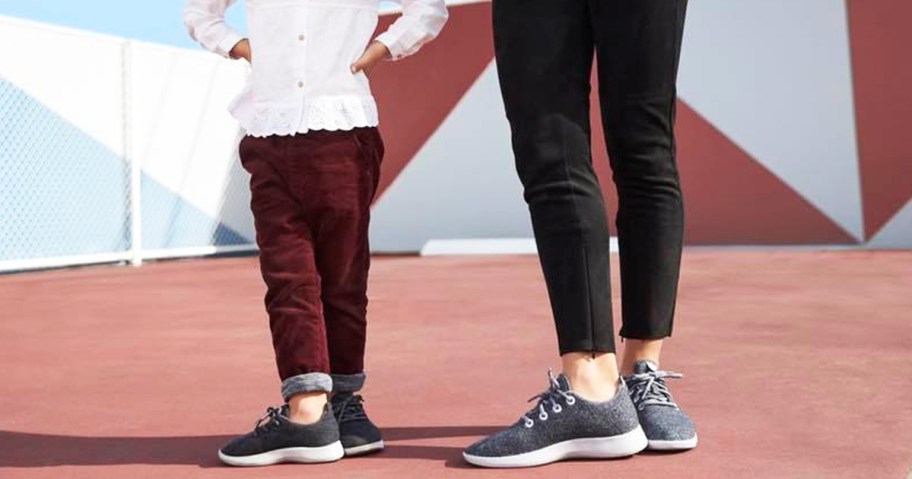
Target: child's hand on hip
(241, 50)
(374, 53)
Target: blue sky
(153, 20)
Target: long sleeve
(421, 22)
(205, 20)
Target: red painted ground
(798, 366)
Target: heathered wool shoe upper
(276, 439)
(357, 432)
(665, 424)
(563, 425)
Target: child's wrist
(241, 49)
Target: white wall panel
(775, 77)
(461, 184)
(183, 134)
(76, 74)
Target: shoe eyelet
(557, 408)
(543, 416)
(529, 423)
(571, 401)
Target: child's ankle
(307, 408)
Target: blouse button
(300, 84)
(301, 37)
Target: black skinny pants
(544, 51)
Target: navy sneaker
(275, 439)
(561, 426)
(358, 434)
(667, 427)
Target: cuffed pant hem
(306, 383)
(348, 383)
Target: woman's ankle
(593, 376)
(639, 350)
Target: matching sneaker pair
(563, 425)
(343, 430)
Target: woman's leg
(544, 58)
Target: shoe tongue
(644, 366)
(563, 383)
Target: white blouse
(302, 52)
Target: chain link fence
(76, 155)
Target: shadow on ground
(23, 449)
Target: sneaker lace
(550, 397)
(269, 421)
(351, 408)
(649, 389)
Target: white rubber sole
(622, 445)
(309, 455)
(681, 445)
(365, 449)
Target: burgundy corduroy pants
(311, 195)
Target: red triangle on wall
(416, 94)
(729, 198)
(880, 38)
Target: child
(313, 152)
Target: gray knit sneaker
(561, 426)
(666, 425)
(275, 439)
(357, 432)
